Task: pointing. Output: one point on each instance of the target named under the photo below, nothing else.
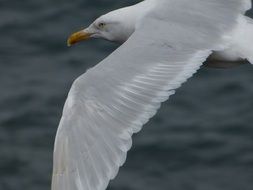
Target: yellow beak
(78, 36)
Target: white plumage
(166, 41)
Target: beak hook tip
(69, 42)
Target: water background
(202, 139)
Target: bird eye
(101, 25)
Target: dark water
(202, 139)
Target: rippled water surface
(202, 139)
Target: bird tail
(248, 4)
(249, 35)
(245, 39)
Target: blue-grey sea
(202, 139)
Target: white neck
(130, 17)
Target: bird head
(113, 27)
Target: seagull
(163, 43)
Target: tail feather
(248, 4)
(249, 36)
(244, 39)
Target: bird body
(164, 43)
(238, 50)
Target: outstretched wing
(117, 97)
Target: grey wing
(117, 97)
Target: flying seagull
(164, 42)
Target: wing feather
(113, 100)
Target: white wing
(116, 98)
